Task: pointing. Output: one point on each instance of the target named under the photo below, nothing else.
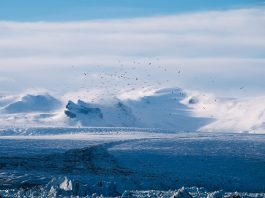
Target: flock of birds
(129, 76)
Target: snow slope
(33, 103)
(111, 115)
(176, 109)
(163, 109)
(167, 108)
(229, 114)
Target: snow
(33, 103)
(229, 114)
(160, 108)
(181, 193)
(66, 185)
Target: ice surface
(132, 164)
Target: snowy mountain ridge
(167, 108)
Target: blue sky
(71, 10)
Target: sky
(69, 10)
(71, 45)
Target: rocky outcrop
(73, 110)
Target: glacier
(128, 162)
(160, 108)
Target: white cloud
(6, 79)
(238, 33)
(202, 43)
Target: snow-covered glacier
(167, 108)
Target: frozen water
(111, 162)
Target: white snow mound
(33, 103)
